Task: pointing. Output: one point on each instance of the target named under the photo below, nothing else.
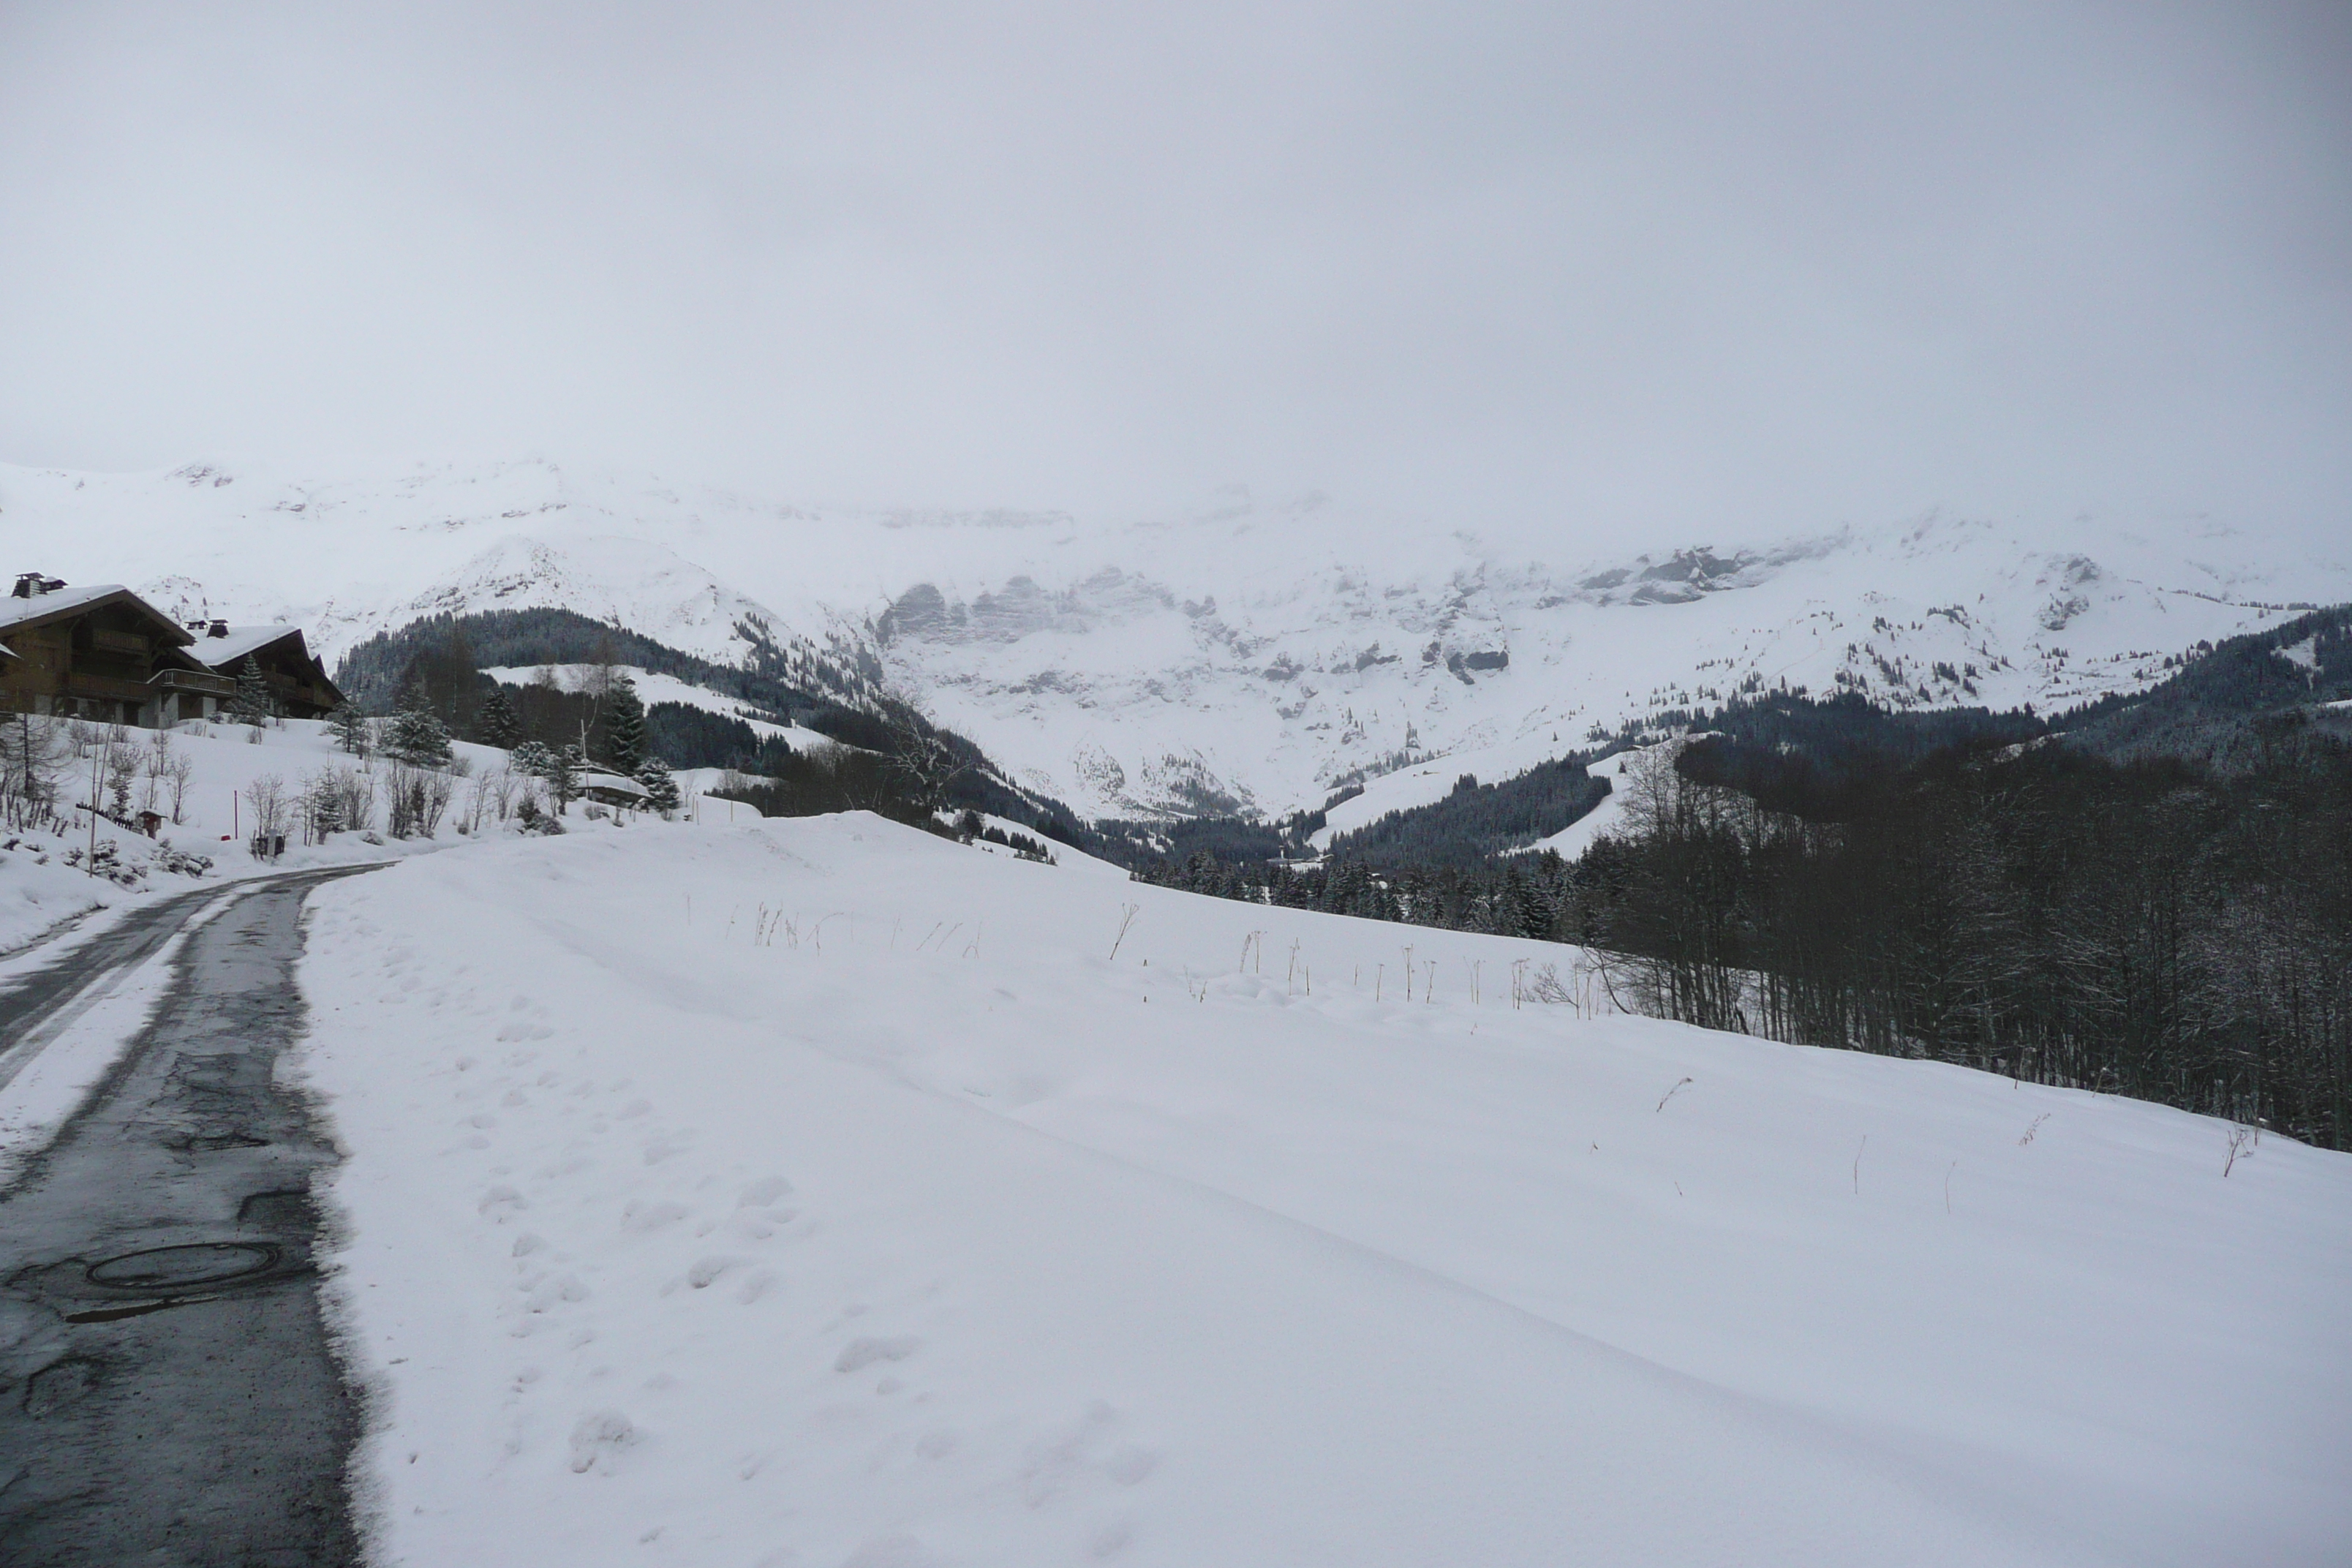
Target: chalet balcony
(197, 680)
(107, 688)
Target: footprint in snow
(640, 1218)
(761, 1223)
(763, 1193)
(548, 1292)
(864, 1353)
(707, 1272)
(500, 1201)
(663, 1146)
(1061, 1463)
(599, 1438)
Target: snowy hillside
(654, 687)
(1240, 657)
(46, 883)
(350, 558)
(822, 1193)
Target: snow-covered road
(822, 1192)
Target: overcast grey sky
(1644, 269)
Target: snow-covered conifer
(496, 723)
(350, 728)
(251, 703)
(624, 726)
(661, 790)
(563, 776)
(418, 739)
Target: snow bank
(822, 1193)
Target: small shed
(614, 789)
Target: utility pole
(97, 762)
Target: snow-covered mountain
(1240, 655)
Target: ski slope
(819, 1192)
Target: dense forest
(2215, 709)
(2154, 927)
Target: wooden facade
(298, 683)
(103, 654)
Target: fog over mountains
(1244, 654)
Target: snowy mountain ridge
(1242, 657)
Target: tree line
(2159, 928)
(2156, 928)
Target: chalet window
(117, 642)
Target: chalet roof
(599, 778)
(16, 612)
(215, 652)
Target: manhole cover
(175, 1268)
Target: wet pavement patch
(168, 1392)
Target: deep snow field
(822, 1193)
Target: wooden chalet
(298, 683)
(101, 653)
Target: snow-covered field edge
(823, 1192)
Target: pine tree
(533, 759)
(323, 804)
(625, 727)
(251, 703)
(563, 776)
(661, 790)
(350, 728)
(418, 739)
(497, 725)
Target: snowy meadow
(822, 1192)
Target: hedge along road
(168, 1393)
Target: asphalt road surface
(168, 1393)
